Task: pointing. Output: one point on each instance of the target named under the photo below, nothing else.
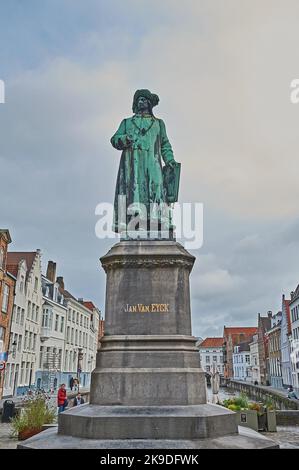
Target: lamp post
(79, 366)
(13, 350)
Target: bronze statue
(142, 179)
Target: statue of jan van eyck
(142, 178)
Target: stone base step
(150, 422)
(246, 439)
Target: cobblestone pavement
(286, 436)
(7, 442)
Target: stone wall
(260, 393)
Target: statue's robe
(140, 176)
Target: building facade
(285, 346)
(82, 339)
(25, 324)
(233, 336)
(294, 309)
(211, 351)
(254, 361)
(241, 362)
(7, 287)
(53, 329)
(264, 325)
(274, 351)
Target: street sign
(2, 365)
(3, 356)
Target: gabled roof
(237, 330)
(14, 258)
(66, 294)
(88, 304)
(212, 343)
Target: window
(27, 373)
(5, 298)
(81, 320)
(68, 334)
(26, 340)
(66, 358)
(69, 315)
(33, 312)
(20, 344)
(74, 316)
(41, 349)
(77, 321)
(1, 258)
(29, 309)
(62, 325)
(18, 315)
(36, 313)
(56, 322)
(22, 316)
(208, 359)
(22, 283)
(22, 373)
(35, 284)
(214, 358)
(208, 368)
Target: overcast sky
(222, 70)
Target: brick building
(7, 287)
(264, 325)
(274, 351)
(233, 336)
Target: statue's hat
(153, 99)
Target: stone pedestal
(148, 389)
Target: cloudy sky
(222, 70)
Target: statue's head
(144, 101)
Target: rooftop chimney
(269, 314)
(51, 271)
(81, 300)
(60, 281)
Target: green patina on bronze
(143, 141)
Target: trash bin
(8, 411)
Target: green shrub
(36, 413)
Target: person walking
(71, 383)
(61, 398)
(78, 400)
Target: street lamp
(13, 350)
(79, 365)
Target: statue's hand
(129, 141)
(171, 163)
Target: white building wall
(25, 329)
(254, 362)
(241, 365)
(294, 307)
(210, 355)
(82, 327)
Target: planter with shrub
(32, 417)
(257, 416)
